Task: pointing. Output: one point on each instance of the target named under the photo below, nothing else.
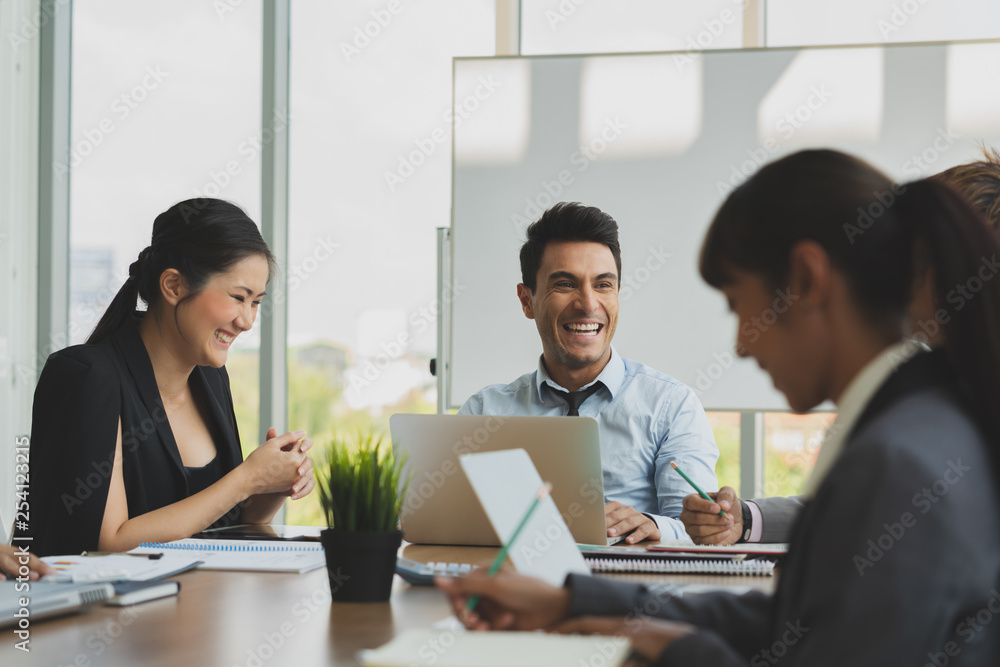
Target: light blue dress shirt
(647, 419)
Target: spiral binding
(748, 567)
(229, 546)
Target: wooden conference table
(247, 619)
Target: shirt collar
(612, 376)
(852, 404)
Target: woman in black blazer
(134, 436)
(895, 559)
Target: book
(133, 592)
(245, 555)
(684, 566)
(450, 648)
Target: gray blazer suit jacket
(895, 561)
(778, 517)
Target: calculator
(422, 574)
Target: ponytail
(197, 237)
(964, 255)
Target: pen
(502, 556)
(700, 492)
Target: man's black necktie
(576, 398)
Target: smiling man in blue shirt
(571, 276)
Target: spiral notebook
(245, 555)
(665, 566)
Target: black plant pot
(360, 565)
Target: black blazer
(895, 561)
(81, 394)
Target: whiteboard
(656, 140)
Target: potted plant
(361, 490)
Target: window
(165, 101)
(370, 180)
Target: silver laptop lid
(440, 506)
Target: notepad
(497, 649)
(244, 555)
(670, 566)
(751, 548)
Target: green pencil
(700, 492)
(502, 556)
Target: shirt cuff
(758, 521)
(670, 529)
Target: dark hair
(874, 232)
(198, 237)
(979, 182)
(567, 222)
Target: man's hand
(506, 601)
(650, 637)
(622, 519)
(702, 521)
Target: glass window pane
(814, 22)
(791, 443)
(370, 180)
(613, 26)
(726, 427)
(165, 107)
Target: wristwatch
(747, 522)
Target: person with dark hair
(979, 182)
(570, 279)
(895, 559)
(772, 519)
(134, 435)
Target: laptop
(440, 506)
(47, 599)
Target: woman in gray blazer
(896, 556)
